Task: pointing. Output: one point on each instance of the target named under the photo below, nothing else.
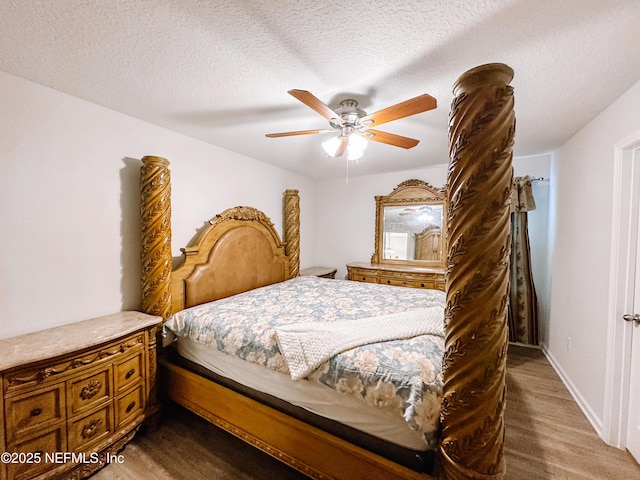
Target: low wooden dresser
(399, 275)
(73, 396)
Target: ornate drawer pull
(90, 390)
(91, 428)
(36, 411)
(130, 407)
(130, 373)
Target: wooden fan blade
(391, 139)
(299, 132)
(418, 104)
(342, 147)
(312, 102)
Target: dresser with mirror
(409, 247)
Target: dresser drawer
(367, 279)
(130, 405)
(361, 275)
(129, 372)
(89, 391)
(50, 442)
(412, 283)
(34, 411)
(90, 428)
(420, 284)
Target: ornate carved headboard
(239, 251)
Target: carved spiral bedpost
(155, 250)
(292, 230)
(481, 132)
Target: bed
(240, 258)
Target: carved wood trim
(292, 230)
(91, 428)
(104, 457)
(255, 441)
(242, 214)
(42, 374)
(153, 404)
(482, 126)
(247, 214)
(414, 182)
(90, 390)
(155, 251)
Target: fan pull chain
(346, 179)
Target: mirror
(410, 225)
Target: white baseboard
(526, 345)
(594, 420)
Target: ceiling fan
(354, 125)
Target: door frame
(624, 249)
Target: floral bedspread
(402, 375)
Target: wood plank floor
(547, 435)
(547, 438)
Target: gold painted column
(292, 230)
(155, 250)
(481, 133)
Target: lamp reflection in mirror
(355, 148)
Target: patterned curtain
(523, 302)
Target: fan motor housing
(349, 113)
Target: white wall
(582, 199)
(69, 203)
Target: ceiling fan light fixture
(331, 145)
(354, 154)
(357, 146)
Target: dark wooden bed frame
(240, 250)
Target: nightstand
(73, 396)
(323, 272)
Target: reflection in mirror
(413, 232)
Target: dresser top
(396, 267)
(53, 342)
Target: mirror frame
(407, 193)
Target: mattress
(391, 390)
(315, 398)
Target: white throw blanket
(306, 346)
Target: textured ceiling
(219, 70)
